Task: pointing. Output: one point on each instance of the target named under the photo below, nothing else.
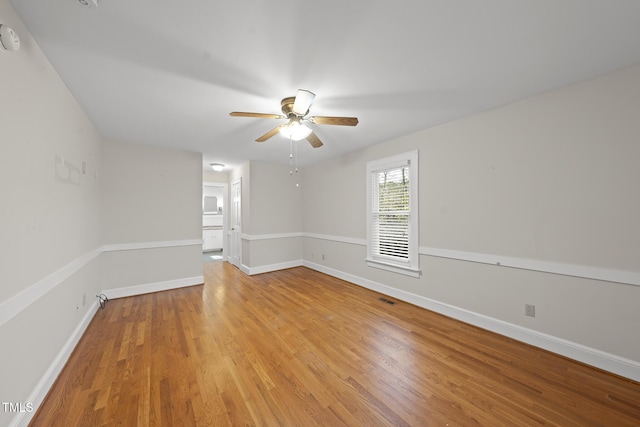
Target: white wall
(547, 180)
(146, 190)
(152, 207)
(271, 216)
(129, 221)
(547, 183)
(275, 200)
(49, 215)
(209, 175)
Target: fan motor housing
(287, 105)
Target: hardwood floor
(299, 348)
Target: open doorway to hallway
(214, 223)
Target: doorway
(214, 221)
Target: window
(392, 213)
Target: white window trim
(412, 266)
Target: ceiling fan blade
(341, 121)
(314, 140)
(303, 101)
(269, 134)
(258, 115)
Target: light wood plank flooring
(299, 348)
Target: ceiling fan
(296, 109)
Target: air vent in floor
(388, 301)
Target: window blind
(390, 213)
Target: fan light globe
(295, 131)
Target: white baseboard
(271, 267)
(20, 302)
(599, 359)
(146, 288)
(45, 383)
(47, 380)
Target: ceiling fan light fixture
(218, 167)
(295, 131)
(296, 109)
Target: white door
(235, 252)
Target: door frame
(235, 224)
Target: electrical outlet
(323, 257)
(84, 299)
(530, 310)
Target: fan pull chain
(290, 156)
(296, 157)
(293, 160)
(296, 161)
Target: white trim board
(583, 271)
(341, 239)
(19, 302)
(46, 382)
(599, 359)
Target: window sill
(408, 271)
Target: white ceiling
(168, 72)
